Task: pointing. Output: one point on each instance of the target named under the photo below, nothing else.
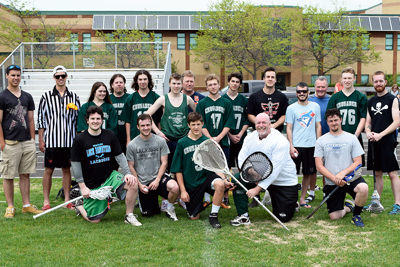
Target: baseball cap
(60, 68)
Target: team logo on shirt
(270, 108)
(306, 118)
(379, 108)
(18, 112)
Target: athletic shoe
(206, 203)
(254, 203)
(131, 218)
(297, 208)
(366, 207)
(10, 212)
(240, 220)
(357, 221)
(395, 210)
(171, 214)
(349, 203)
(31, 209)
(164, 205)
(182, 204)
(224, 206)
(213, 219)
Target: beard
(379, 89)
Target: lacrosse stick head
(102, 193)
(210, 156)
(256, 167)
(376, 206)
(75, 192)
(354, 175)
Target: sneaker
(164, 205)
(131, 218)
(240, 220)
(357, 221)
(10, 212)
(395, 210)
(171, 214)
(366, 207)
(349, 203)
(297, 208)
(224, 206)
(213, 219)
(205, 204)
(254, 203)
(31, 209)
(182, 204)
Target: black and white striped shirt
(59, 124)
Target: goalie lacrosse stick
(210, 156)
(354, 175)
(101, 194)
(375, 206)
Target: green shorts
(96, 209)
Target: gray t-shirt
(147, 156)
(337, 151)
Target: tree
(238, 35)
(325, 40)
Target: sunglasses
(301, 91)
(14, 67)
(63, 76)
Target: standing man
(321, 98)
(188, 87)
(303, 127)
(382, 121)
(337, 154)
(118, 97)
(93, 169)
(352, 105)
(17, 141)
(57, 119)
(147, 157)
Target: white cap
(59, 68)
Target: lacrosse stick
(376, 206)
(101, 194)
(354, 175)
(210, 156)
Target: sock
(357, 210)
(215, 209)
(131, 213)
(207, 197)
(245, 214)
(312, 193)
(165, 201)
(170, 205)
(27, 205)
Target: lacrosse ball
(296, 155)
(146, 190)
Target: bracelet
(356, 135)
(159, 133)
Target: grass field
(62, 239)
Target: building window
(193, 42)
(315, 76)
(366, 41)
(74, 39)
(389, 42)
(181, 42)
(158, 38)
(87, 39)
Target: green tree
(238, 35)
(325, 40)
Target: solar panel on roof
(365, 24)
(120, 22)
(385, 24)
(395, 23)
(152, 23)
(98, 22)
(163, 22)
(141, 22)
(130, 22)
(109, 22)
(194, 25)
(375, 24)
(184, 23)
(173, 22)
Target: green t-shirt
(118, 103)
(110, 117)
(239, 105)
(174, 120)
(217, 115)
(193, 175)
(352, 108)
(136, 105)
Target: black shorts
(363, 155)
(284, 201)
(195, 206)
(148, 203)
(385, 158)
(57, 157)
(234, 150)
(336, 201)
(306, 156)
(122, 143)
(172, 143)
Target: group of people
(142, 144)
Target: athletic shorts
(195, 206)
(306, 158)
(284, 201)
(18, 158)
(148, 203)
(97, 209)
(336, 201)
(234, 150)
(57, 157)
(363, 155)
(385, 158)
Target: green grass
(62, 239)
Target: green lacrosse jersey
(174, 120)
(110, 117)
(118, 103)
(239, 105)
(352, 108)
(217, 115)
(193, 174)
(134, 106)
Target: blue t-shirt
(303, 119)
(196, 98)
(323, 103)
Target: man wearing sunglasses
(303, 127)
(57, 116)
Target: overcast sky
(181, 5)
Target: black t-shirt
(274, 105)
(15, 115)
(95, 154)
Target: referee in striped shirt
(57, 117)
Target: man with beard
(303, 127)
(380, 127)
